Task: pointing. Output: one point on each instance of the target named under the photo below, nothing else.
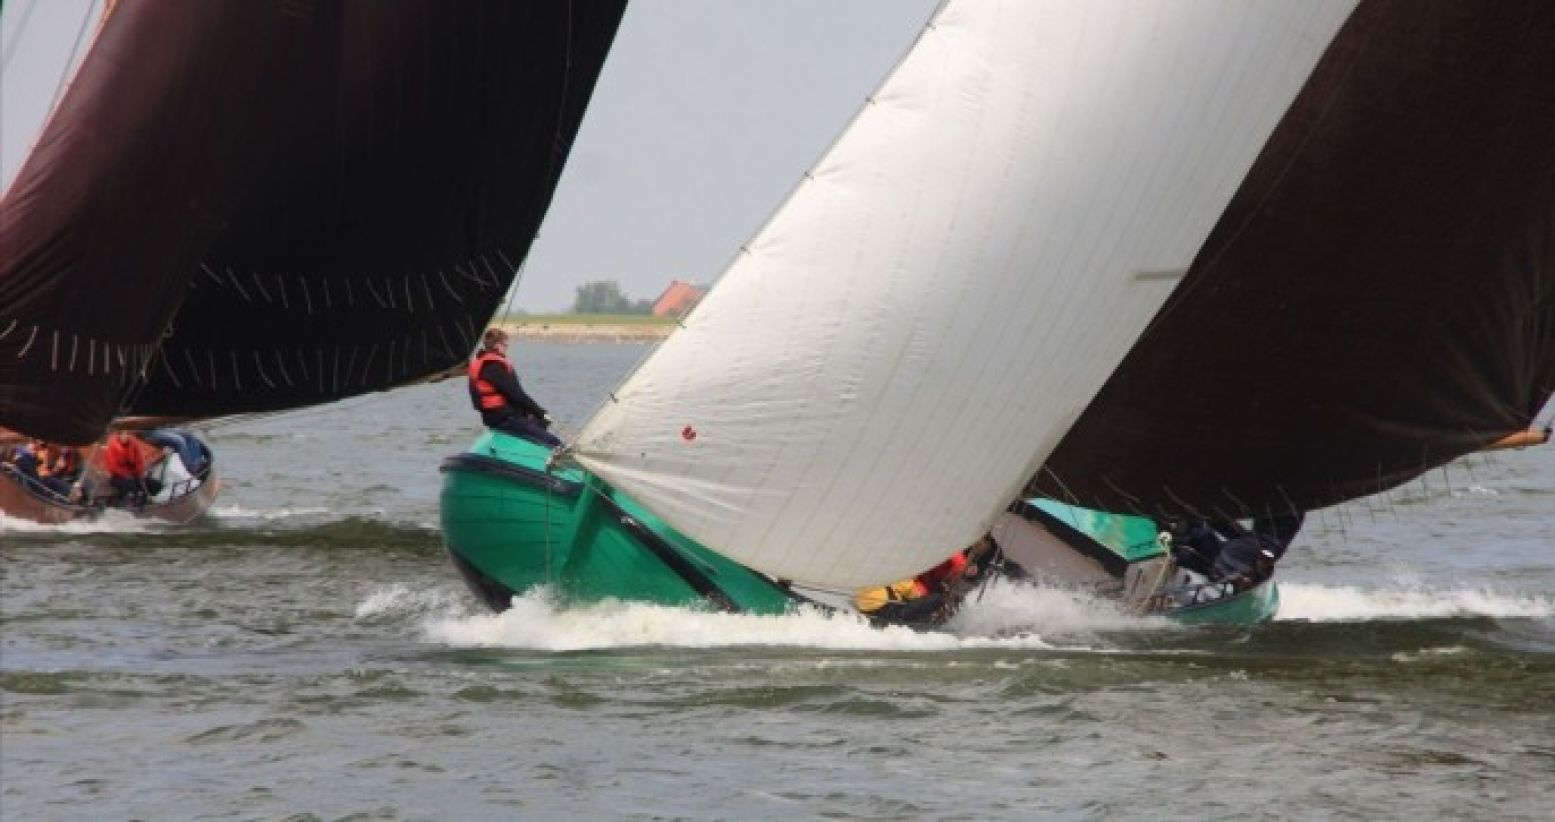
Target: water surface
(308, 652)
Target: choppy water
(308, 652)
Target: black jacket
(506, 383)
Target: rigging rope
(16, 36)
(67, 74)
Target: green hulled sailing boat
(939, 304)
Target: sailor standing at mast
(497, 394)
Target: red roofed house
(677, 299)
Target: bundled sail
(248, 206)
(882, 368)
(1377, 299)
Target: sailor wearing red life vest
(497, 394)
(126, 466)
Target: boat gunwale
(504, 469)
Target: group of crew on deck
(1216, 558)
(54, 468)
(932, 596)
(60, 470)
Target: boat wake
(109, 522)
(535, 622)
(1322, 603)
(237, 514)
(1007, 616)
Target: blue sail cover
(251, 206)
(1378, 298)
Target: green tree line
(606, 297)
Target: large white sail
(900, 347)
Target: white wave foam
(536, 623)
(108, 522)
(1428, 654)
(1007, 617)
(237, 512)
(1320, 603)
(400, 600)
(1006, 607)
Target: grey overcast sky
(706, 115)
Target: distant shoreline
(586, 329)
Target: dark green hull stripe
(656, 545)
(478, 464)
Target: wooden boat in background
(274, 206)
(180, 500)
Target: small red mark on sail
(688, 433)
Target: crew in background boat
(126, 466)
(49, 467)
(497, 394)
(184, 444)
(24, 459)
(58, 468)
(1196, 544)
(1225, 551)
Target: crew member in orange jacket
(127, 469)
(496, 393)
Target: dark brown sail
(249, 206)
(1377, 299)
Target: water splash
(1005, 607)
(240, 513)
(108, 522)
(1007, 616)
(404, 601)
(536, 622)
(1322, 603)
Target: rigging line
(518, 277)
(16, 36)
(64, 77)
(550, 168)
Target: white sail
(897, 351)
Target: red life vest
(123, 459)
(936, 577)
(483, 395)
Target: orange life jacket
(62, 462)
(483, 395)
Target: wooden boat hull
(20, 502)
(510, 524)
